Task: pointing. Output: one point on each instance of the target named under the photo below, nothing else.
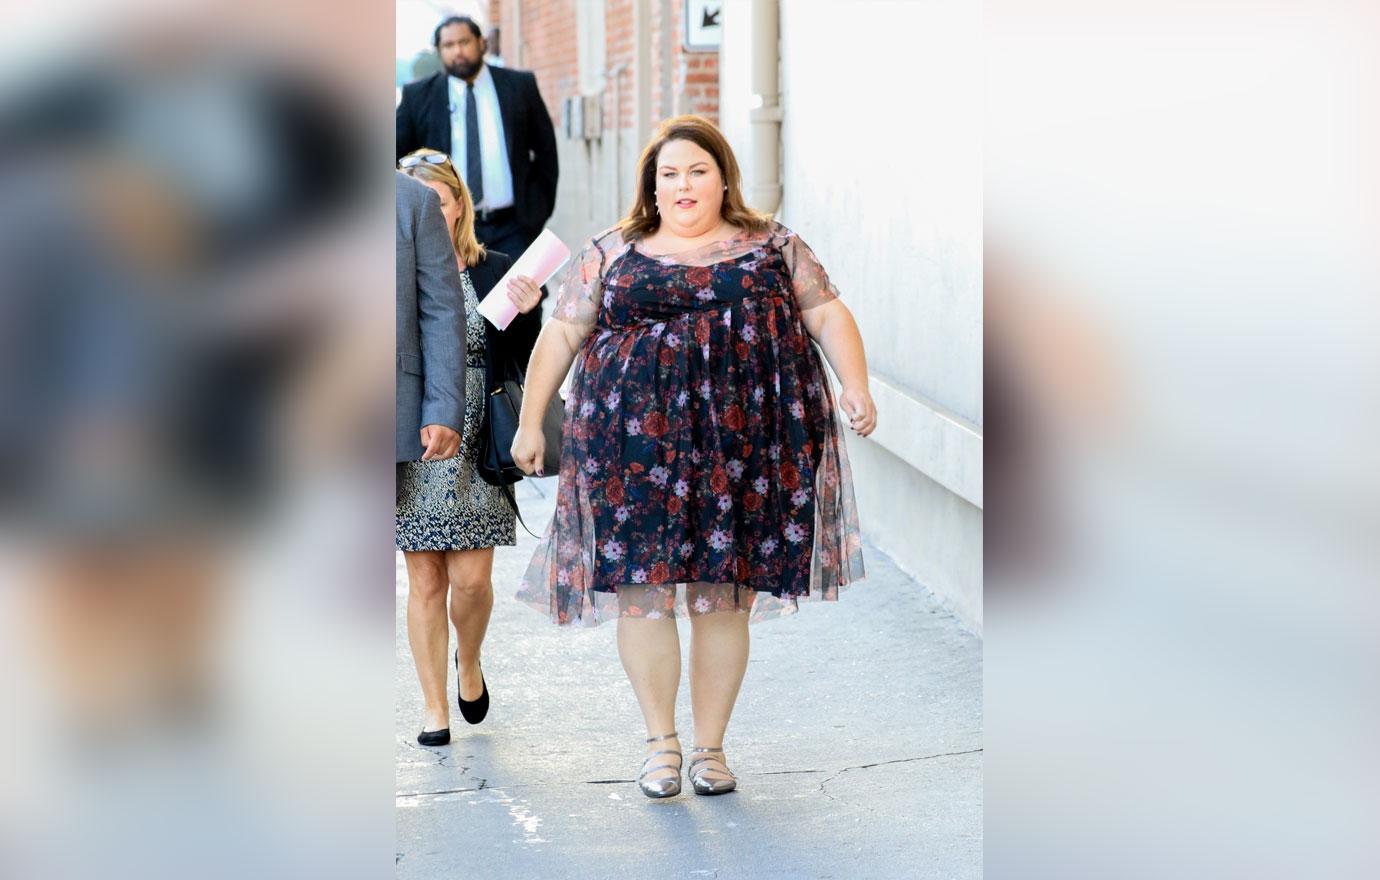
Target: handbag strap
(499, 366)
(507, 490)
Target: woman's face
(689, 188)
(449, 205)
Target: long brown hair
(643, 219)
(467, 247)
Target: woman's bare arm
(833, 327)
(552, 356)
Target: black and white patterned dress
(445, 505)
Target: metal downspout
(764, 113)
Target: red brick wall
(548, 43)
(701, 89)
(696, 74)
(619, 47)
(550, 50)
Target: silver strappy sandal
(666, 786)
(702, 783)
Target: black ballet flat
(434, 737)
(473, 711)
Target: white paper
(539, 262)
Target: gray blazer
(431, 320)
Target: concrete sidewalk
(857, 741)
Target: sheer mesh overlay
(703, 466)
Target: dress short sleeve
(582, 287)
(808, 279)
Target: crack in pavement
(830, 779)
(483, 786)
(484, 783)
(441, 757)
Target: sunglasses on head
(414, 161)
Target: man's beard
(464, 69)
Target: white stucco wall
(882, 173)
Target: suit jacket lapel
(438, 125)
(507, 110)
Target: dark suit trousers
(506, 238)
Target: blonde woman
(702, 445)
(448, 520)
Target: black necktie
(474, 168)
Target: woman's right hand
(524, 293)
(528, 450)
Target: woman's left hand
(861, 411)
(524, 293)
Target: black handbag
(502, 405)
(501, 409)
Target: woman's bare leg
(471, 604)
(650, 651)
(427, 633)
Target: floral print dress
(445, 504)
(701, 445)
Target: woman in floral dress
(701, 446)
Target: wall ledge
(940, 444)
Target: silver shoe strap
(671, 735)
(695, 761)
(646, 770)
(651, 755)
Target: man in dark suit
(495, 126)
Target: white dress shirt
(493, 149)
